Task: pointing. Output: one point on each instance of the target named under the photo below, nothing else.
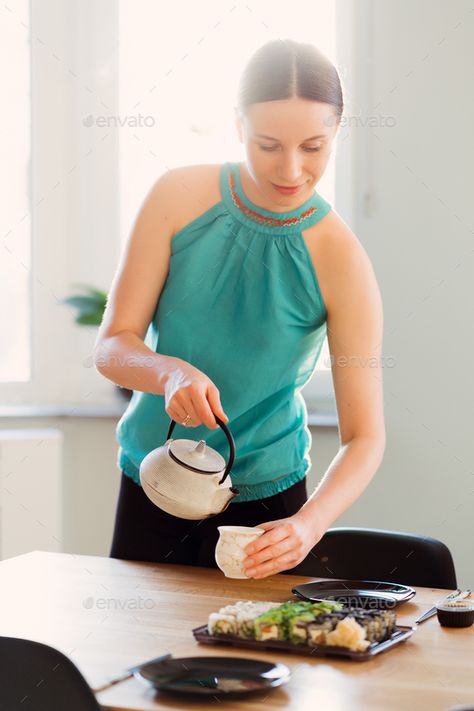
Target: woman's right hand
(188, 391)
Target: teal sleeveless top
(241, 303)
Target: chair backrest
(376, 554)
(37, 677)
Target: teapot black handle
(230, 439)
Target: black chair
(36, 677)
(375, 554)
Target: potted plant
(90, 308)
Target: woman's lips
(287, 191)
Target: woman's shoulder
(335, 251)
(196, 188)
(332, 233)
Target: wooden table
(107, 615)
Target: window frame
(73, 239)
(319, 391)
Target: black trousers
(147, 533)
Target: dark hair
(282, 69)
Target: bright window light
(15, 311)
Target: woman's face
(288, 143)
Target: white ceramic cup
(230, 552)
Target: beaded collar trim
(264, 219)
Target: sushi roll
(247, 615)
(221, 623)
(389, 618)
(270, 625)
(238, 618)
(246, 625)
(276, 626)
(298, 626)
(378, 624)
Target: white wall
(413, 62)
(31, 510)
(89, 486)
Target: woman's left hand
(284, 544)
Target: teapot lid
(196, 456)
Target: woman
(220, 276)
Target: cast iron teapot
(187, 478)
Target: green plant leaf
(92, 291)
(89, 319)
(85, 304)
(90, 307)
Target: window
(60, 176)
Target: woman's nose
(290, 171)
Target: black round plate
(370, 594)
(214, 676)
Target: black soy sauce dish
(455, 613)
(214, 676)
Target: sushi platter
(316, 629)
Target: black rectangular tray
(400, 634)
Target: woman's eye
(314, 149)
(268, 148)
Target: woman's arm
(355, 333)
(119, 352)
